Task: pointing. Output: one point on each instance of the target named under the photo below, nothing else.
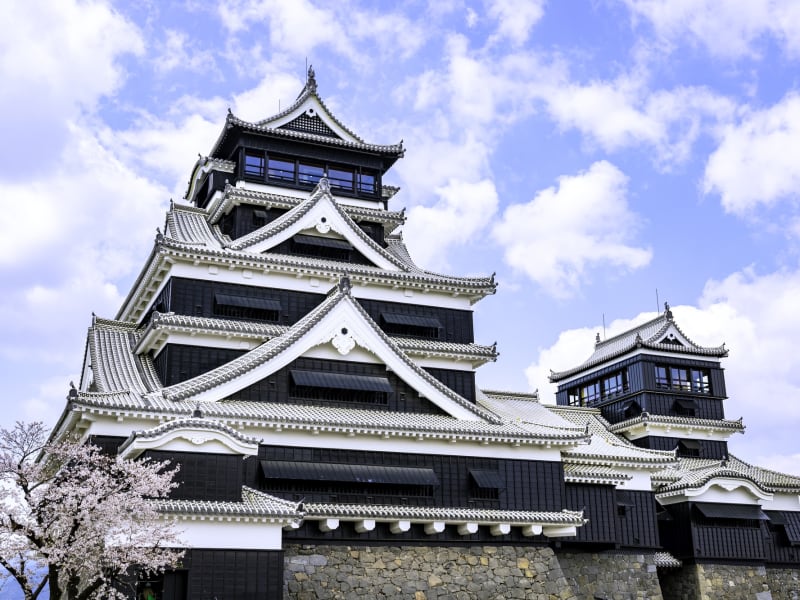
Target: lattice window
(310, 124)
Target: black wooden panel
(293, 248)
(708, 448)
(216, 477)
(778, 547)
(239, 574)
(196, 297)
(457, 324)
(177, 362)
(675, 530)
(108, 444)
(729, 539)
(246, 218)
(530, 485)
(461, 382)
(597, 502)
(637, 524)
(665, 403)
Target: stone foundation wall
(464, 573)
(730, 582)
(612, 576)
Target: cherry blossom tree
(77, 520)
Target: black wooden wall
(708, 448)
(229, 574)
(204, 476)
(529, 485)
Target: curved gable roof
(661, 333)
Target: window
(339, 387)
(613, 385)
(366, 183)
(700, 381)
(689, 448)
(341, 179)
(309, 174)
(281, 169)
(683, 379)
(254, 165)
(243, 307)
(594, 391)
(486, 484)
(411, 325)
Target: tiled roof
(424, 513)
(697, 472)
(271, 348)
(189, 225)
(115, 368)
(594, 474)
(647, 335)
(262, 331)
(320, 193)
(686, 422)
(234, 195)
(187, 423)
(605, 447)
(666, 560)
(254, 504)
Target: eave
(166, 253)
(673, 426)
(466, 520)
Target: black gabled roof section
(344, 473)
(341, 381)
(745, 512)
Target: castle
(318, 390)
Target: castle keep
(318, 390)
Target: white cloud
(756, 317)
(756, 161)
(516, 18)
(58, 59)
(177, 52)
(625, 112)
(564, 232)
(727, 28)
(462, 211)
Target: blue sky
(596, 154)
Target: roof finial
(597, 338)
(667, 312)
(197, 413)
(311, 80)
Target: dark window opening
(319, 247)
(281, 169)
(729, 515)
(254, 165)
(309, 174)
(243, 307)
(341, 179)
(366, 183)
(339, 387)
(593, 392)
(683, 379)
(631, 410)
(785, 526)
(259, 218)
(348, 483)
(486, 484)
(684, 408)
(625, 503)
(411, 325)
(689, 449)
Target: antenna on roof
(604, 326)
(658, 304)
